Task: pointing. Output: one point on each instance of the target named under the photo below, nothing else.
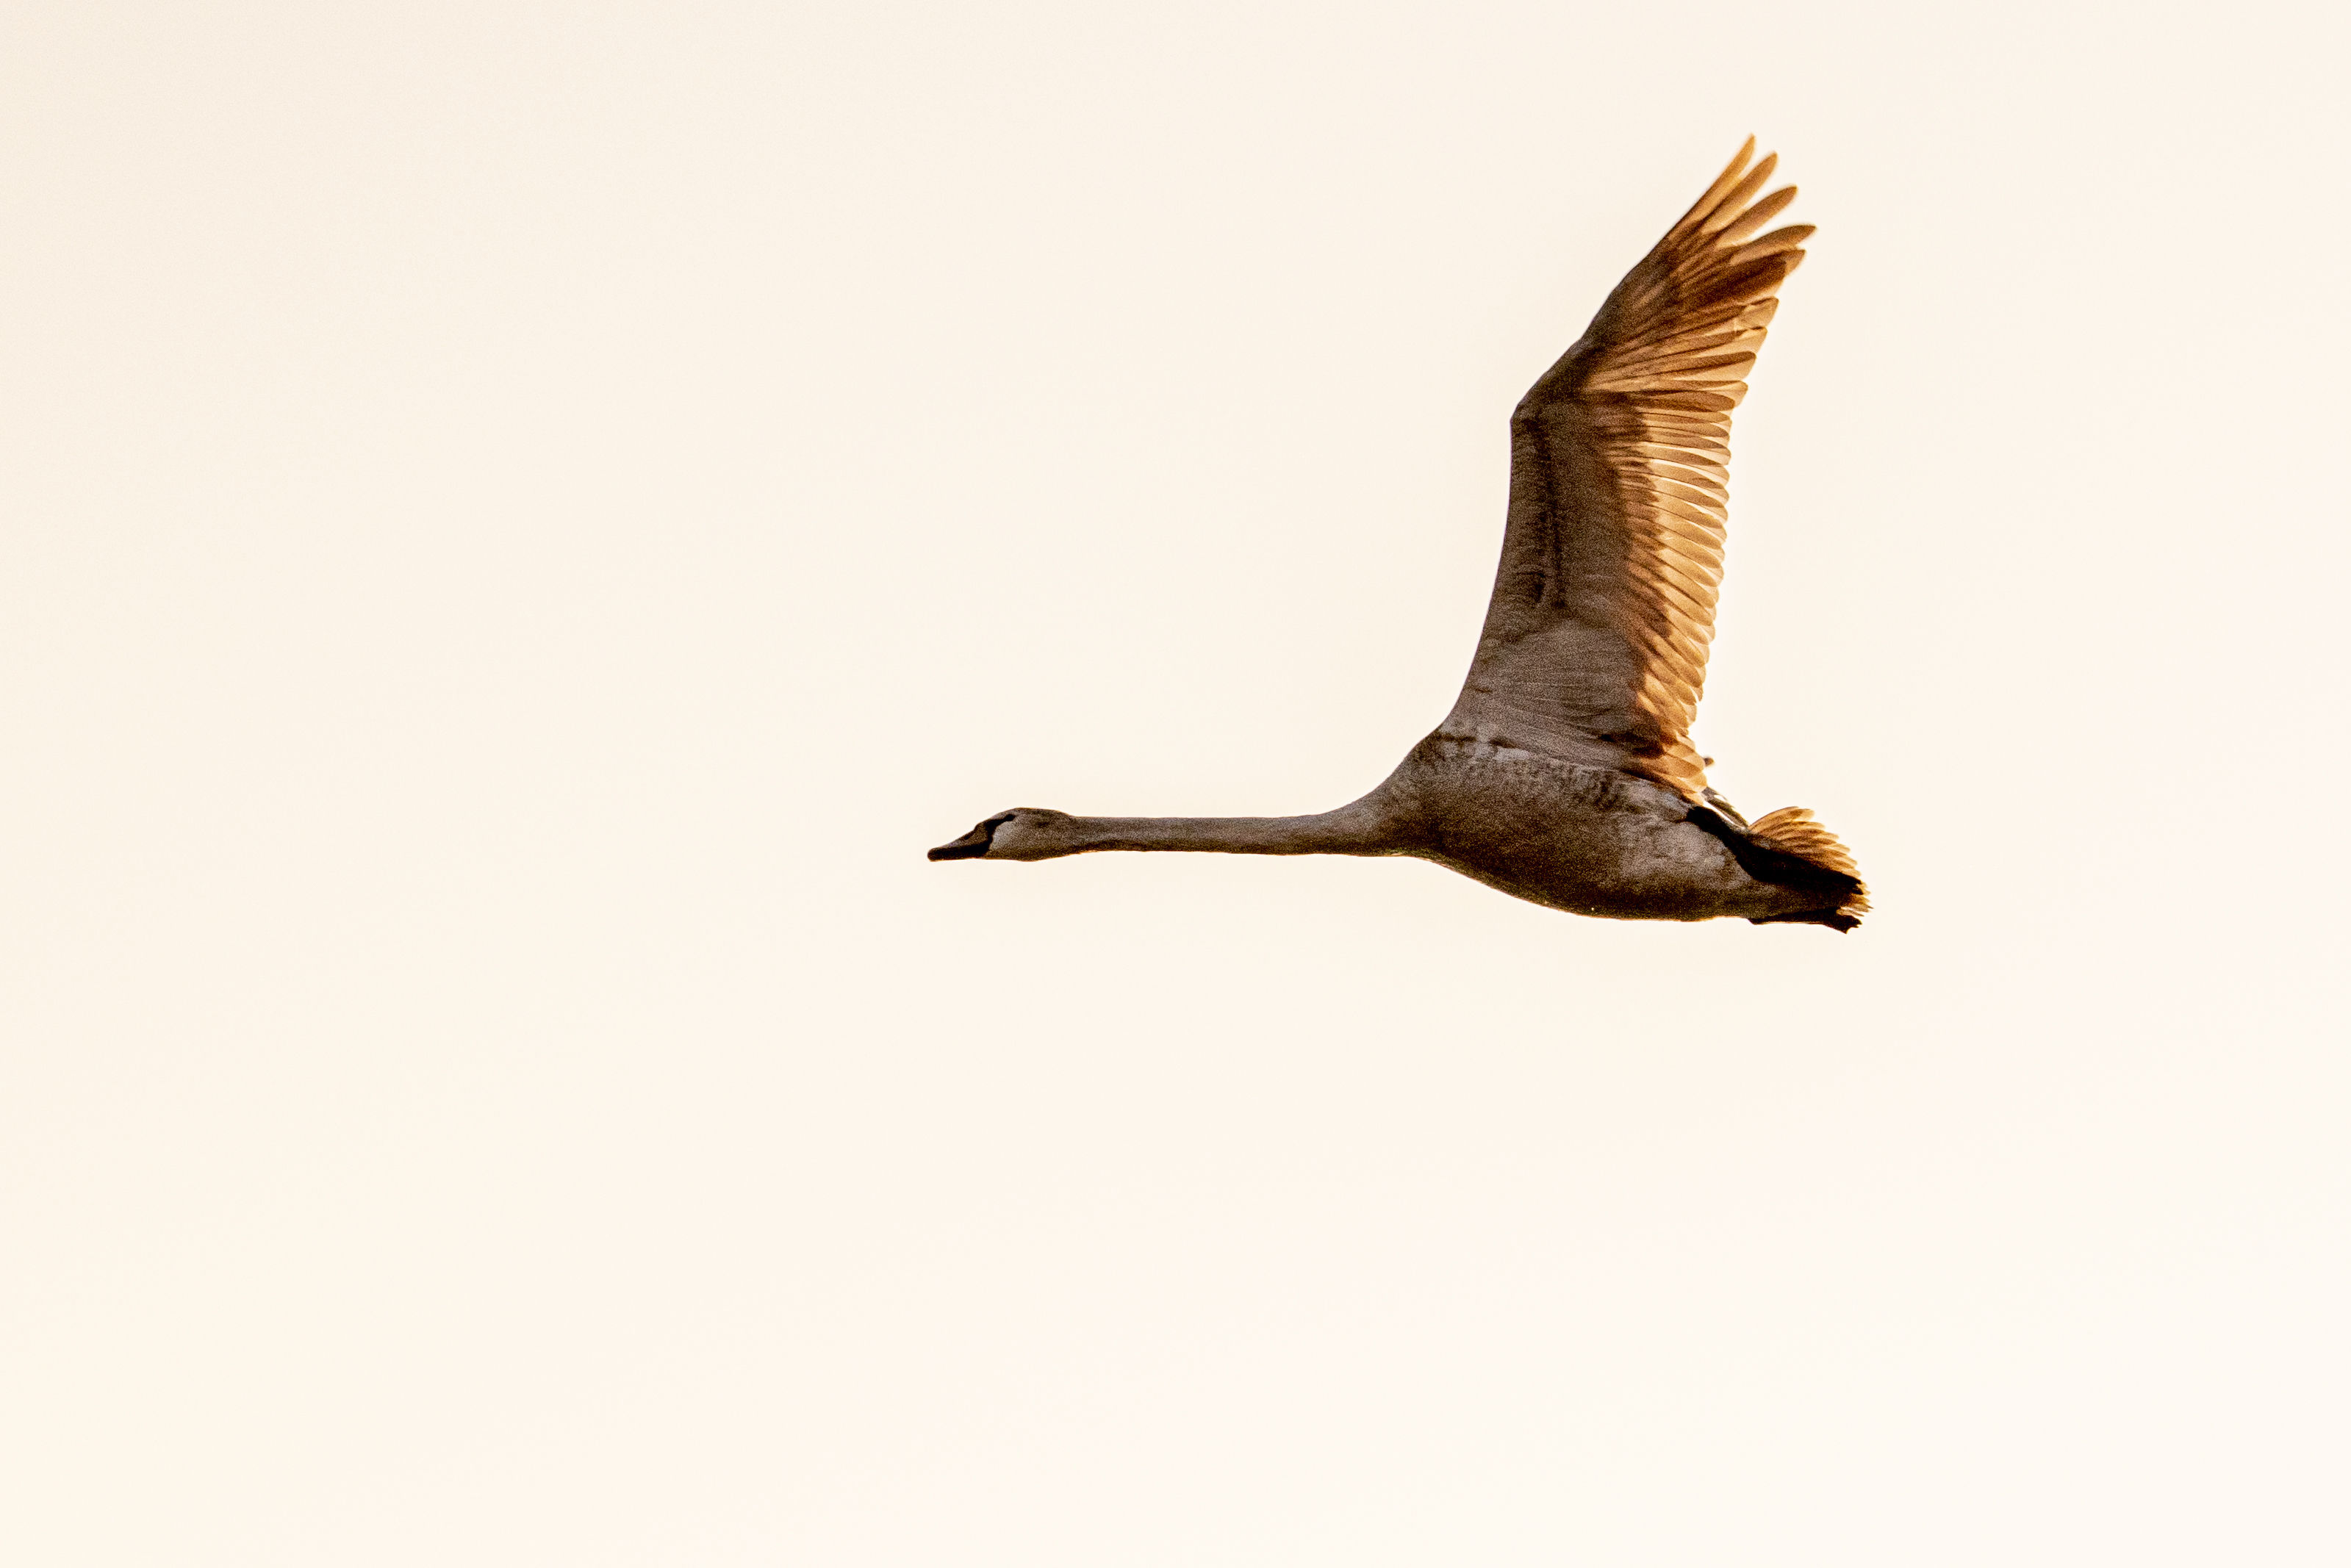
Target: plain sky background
(525, 521)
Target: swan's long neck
(1350, 831)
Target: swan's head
(1023, 833)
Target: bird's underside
(1601, 841)
(1565, 774)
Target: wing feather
(1597, 640)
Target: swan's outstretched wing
(1595, 641)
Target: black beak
(971, 846)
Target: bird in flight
(1564, 774)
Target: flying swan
(1564, 775)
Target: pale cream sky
(525, 520)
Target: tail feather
(1794, 830)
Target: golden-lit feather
(1619, 496)
(1798, 832)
